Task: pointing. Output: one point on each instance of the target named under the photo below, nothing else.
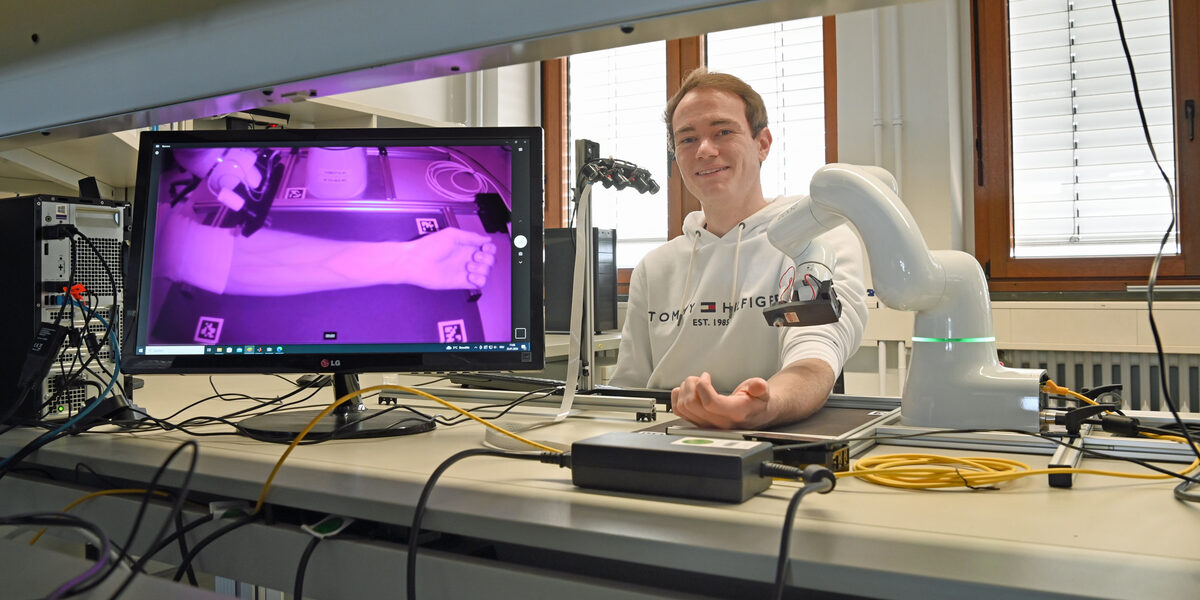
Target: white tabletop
(1105, 537)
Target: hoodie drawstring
(688, 280)
(737, 250)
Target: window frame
(993, 170)
(682, 55)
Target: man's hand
(748, 407)
(795, 392)
(448, 259)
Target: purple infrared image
(346, 245)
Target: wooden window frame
(993, 170)
(682, 56)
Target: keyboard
(520, 383)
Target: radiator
(1137, 373)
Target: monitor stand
(350, 420)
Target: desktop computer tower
(560, 269)
(39, 263)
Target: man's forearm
(799, 390)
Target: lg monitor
(336, 251)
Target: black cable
(113, 315)
(186, 561)
(217, 393)
(298, 587)
(106, 482)
(165, 424)
(785, 543)
(1158, 430)
(441, 419)
(150, 423)
(260, 400)
(414, 530)
(250, 410)
(65, 520)
(33, 446)
(177, 535)
(112, 280)
(508, 406)
(816, 478)
(1175, 429)
(1162, 361)
(58, 316)
(154, 485)
(430, 382)
(67, 381)
(177, 505)
(295, 383)
(183, 547)
(70, 232)
(107, 373)
(1117, 401)
(1180, 492)
(44, 439)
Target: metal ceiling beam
(125, 64)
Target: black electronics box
(697, 467)
(560, 269)
(36, 269)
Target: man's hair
(756, 111)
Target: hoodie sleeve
(634, 361)
(836, 342)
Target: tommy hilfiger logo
(711, 307)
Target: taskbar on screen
(216, 349)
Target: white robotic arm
(815, 262)
(955, 379)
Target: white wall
(922, 97)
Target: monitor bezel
(531, 225)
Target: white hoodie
(695, 305)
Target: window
(791, 64)
(1067, 195)
(784, 63)
(1079, 151)
(616, 99)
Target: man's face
(717, 154)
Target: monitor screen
(336, 251)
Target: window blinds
(1084, 183)
(784, 63)
(616, 98)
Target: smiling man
(694, 322)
